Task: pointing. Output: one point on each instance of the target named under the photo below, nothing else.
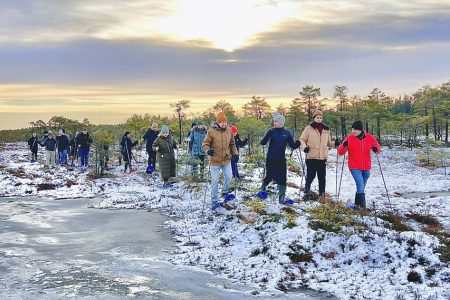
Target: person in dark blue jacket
(239, 144)
(33, 142)
(278, 138)
(150, 136)
(83, 143)
(63, 145)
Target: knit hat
(199, 122)
(317, 113)
(357, 125)
(165, 129)
(277, 117)
(61, 132)
(234, 129)
(221, 117)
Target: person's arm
(376, 148)
(343, 148)
(292, 144)
(155, 145)
(233, 146)
(266, 137)
(207, 142)
(304, 138)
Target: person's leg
(64, 157)
(52, 158)
(311, 169)
(47, 158)
(153, 159)
(228, 174)
(149, 160)
(365, 175)
(215, 170)
(359, 181)
(282, 169)
(269, 175)
(234, 168)
(321, 175)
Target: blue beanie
(165, 129)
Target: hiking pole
(303, 170)
(337, 167)
(340, 182)
(384, 182)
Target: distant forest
(406, 120)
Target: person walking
(164, 146)
(239, 144)
(149, 137)
(33, 143)
(50, 146)
(63, 144)
(196, 138)
(220, 146)
(83, 143)
(359, 144)
(278, 138)
(126, 145)
(315, 141)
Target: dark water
(54, 249)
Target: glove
(157, 149)
(306, 150)
(345, 144)
(336, 143)
(374, 149)
(210, 152)
(235, 158)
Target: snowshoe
(228, 198)
(150, 169)
(287, 201)
(262, 195)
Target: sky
(106, 60)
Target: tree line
(401, 120)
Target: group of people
(59, 148)
(221, 143)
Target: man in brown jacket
(220, 146)
(315, 140)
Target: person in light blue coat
(196, 138)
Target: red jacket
(359, 151)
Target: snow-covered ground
(272, 248)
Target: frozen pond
(53, 249)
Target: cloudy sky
(106, 60)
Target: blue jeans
(84, 156)
(215, 171)
(63, 157)
(360, 178)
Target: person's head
(165, 130)
(234, 130)
(318, 116)
(50, 135)
(84, 130)
(357, 128)
(45, 132)
(61, 132)
(278, 120)
(34, 134)
(155, 126)
(221, 119)
(127, 134)
(199, 124)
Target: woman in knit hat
(164, 146)
(358, 145)
(220, 146)
(278, 138)
(315, 141)
(239, 144)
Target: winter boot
(281, 193)
(360, 201)
(126, 167)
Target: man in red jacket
(359, 144)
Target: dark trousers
(234, 169)
(314, 166)
(275, 170)
(34, 154)
(151, 158)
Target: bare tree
(180, 106)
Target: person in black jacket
(278, 138)
(150, 136)
(50, 146)
(83, 143)
(33, 143)
(63, 144)
(74, 149)
(126, 145)
(239, 144)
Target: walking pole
(303, 170)
(384, 182)
(340, 182)
(337, 167)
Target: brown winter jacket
(222, 142)
(318, 143)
